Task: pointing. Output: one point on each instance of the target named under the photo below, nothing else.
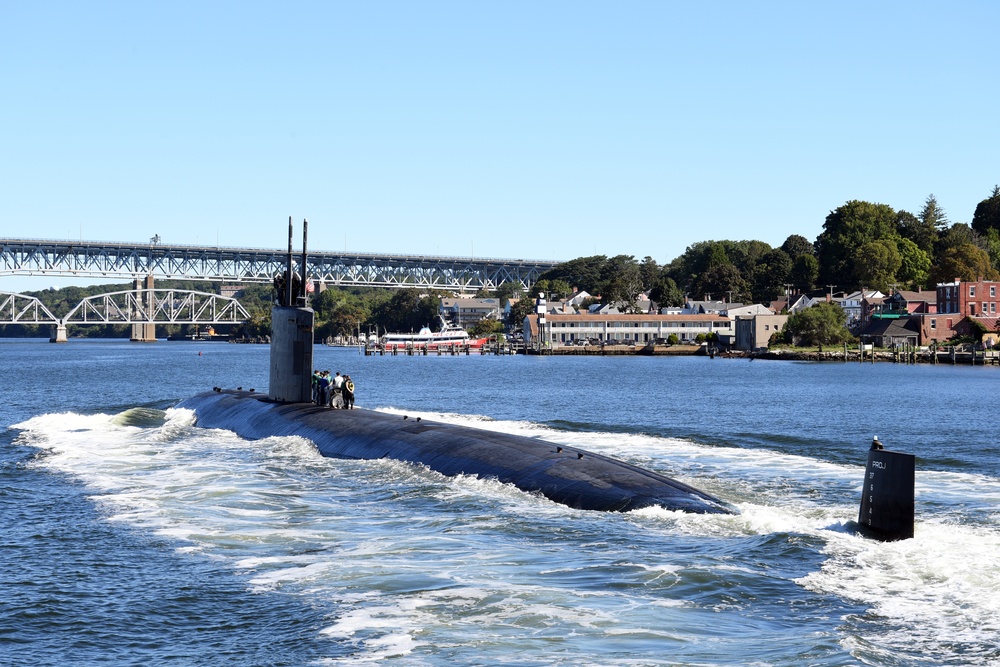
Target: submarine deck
(571, 476)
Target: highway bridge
(100, 259)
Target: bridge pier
(144, 332)
(59, 333)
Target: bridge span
(97, 259)
(143, 308)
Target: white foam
(936, 589)
(430, 563)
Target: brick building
(968, 298)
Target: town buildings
(920, 317)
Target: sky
(541, 130)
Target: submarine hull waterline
(567, 475)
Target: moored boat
(450, 335)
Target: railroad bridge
(143, 308)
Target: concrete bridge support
(145, 332)
(59, 333)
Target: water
(133, 537)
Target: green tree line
(862, 245)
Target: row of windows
(972, 291)
(985, 308)
(637, 337)
(600, 326)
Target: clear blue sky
(504, 129)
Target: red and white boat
(449, 336)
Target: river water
(130, 536)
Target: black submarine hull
(573, 477)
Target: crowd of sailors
(333, 392)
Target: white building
(466, 313)
(642, 329)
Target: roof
(991, 323)
(898, 327)
(908, 296)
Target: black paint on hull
(570, 476)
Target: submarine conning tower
(292, 332)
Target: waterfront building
(753, 331)
(623, 329)
(465, 313)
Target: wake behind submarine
(573, 477)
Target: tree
(876, 264)
(770, 276)
(339, 313)
(696, 260)
(909, 226)
(622, 283)
(666, 292)
(957, 235)
(723, 281)
(650, 272)
(407, 311)
(966, 262)
(486, 327)
(583, 273)
(932, 215)
(915, 264)
(987, 215)
(805, 272)
(746, 255)
(520, 310)
(689, 271)
(846, 229)
(552, 289)
(823, 324)
(796, 245)
(993, 247)
(509, 289)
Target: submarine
(574, 477)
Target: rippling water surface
(132, 536)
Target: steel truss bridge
(142, 308)
(91, 259)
